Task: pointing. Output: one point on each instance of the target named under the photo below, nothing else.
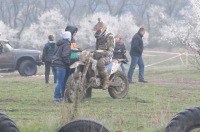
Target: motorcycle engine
(95, 82)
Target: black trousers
(47, 71)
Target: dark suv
(25, 61)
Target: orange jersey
(73, 45)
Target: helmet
(100, 29)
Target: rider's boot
(105, 80)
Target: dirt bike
(86, 78)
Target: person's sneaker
(131, 82)
(56, 101)
(142, 81)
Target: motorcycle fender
(76, 64)
(115, 67)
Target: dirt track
(193, 83)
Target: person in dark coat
(120, 51)
(74, 47)
(61, 63)
(74, 50)
(136, 56)
(47, 56)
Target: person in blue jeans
(136, 56)
(61, 63)
(74, 50)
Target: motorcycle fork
(85, 70)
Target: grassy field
(148, 107)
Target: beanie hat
(67, 35)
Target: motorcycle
(86, 77)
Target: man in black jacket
(74, 49)
(61, 63)
(136, 56)
(47, 56)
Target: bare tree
(93, 5)
(173, 7)
(67, 7)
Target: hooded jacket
(48, 51)
(62, 53)
(137, 45)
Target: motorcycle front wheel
(120, 91)
(74, 92)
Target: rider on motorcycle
(104, 42)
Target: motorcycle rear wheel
(120, 91)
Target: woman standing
(47, 56)
(120, 51)
(61, 63)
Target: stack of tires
(84, 125)
(186, 121)
(7, 124)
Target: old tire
(84, 125)
(71, 88)
(185, 121)
(121, 91)
(27, 68)
(6, 124)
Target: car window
(5, 47)
(8, 46)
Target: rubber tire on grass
(111, 90)
(27, 64)
(84, 125)
(68, 88)
(7, 124)
(185, 121)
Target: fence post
(187, 57)
(181, 59)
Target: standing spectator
(136, 56)
(120, 51)
(74, 49)
(61, 63)
(47, 56)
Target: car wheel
(27, 68)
